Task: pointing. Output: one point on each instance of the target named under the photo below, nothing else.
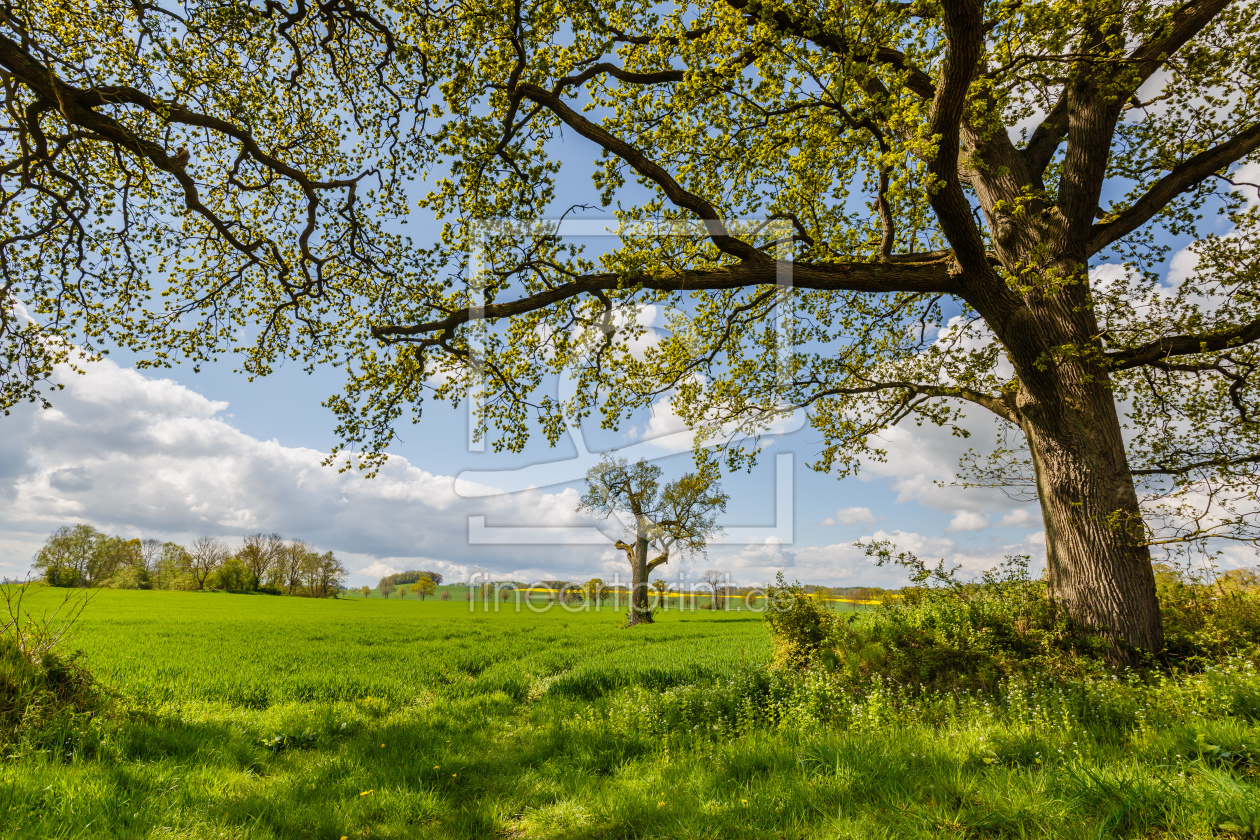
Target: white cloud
(1022, 518)
(923, 462)
(665, 429)
(846, 564)
(851, 516)
(378, 570)
(149, 457)
(967, 520)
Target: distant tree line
(422, 584)
(411, 577)
(80, 555)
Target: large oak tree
(1018, 170)
(678, 517)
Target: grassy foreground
(258, 717)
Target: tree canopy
(678, 517)
(973, 204)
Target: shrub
(943, 635)
(232, 576)
(129, 577)
(803, 629)
(1207, 616)
(47, 701)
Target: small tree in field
(66, 558)
(173, 566)
(712, 579)
(292, 566)
(365, 591)
(261, 553)
(662, 592)
(680, 516)
(150, 552)
(403, 590)
(386, 587)
(595, 591)
(207, 554)
(446, 595)
(424, 586)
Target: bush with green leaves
(47, 700)
(1207, 615)
(942, 634)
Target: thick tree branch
(997, 405)
(916, 80)
(935, 276)
(646, 40)
(604, 68)
(649, 169)
(1184, 24)
(1184, 345)
(1185, 468)
(964, 31)
(1184, 176)
(1094, 104)
(631, 77)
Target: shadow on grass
(589, 751)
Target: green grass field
(537, 597)
(265, 717)
(257, 651)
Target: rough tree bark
(640, 571)
(1099, 568)
(1098, 565)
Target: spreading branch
(1168, 347)
(649, 169)
(1146, 59)
(1184, 176)
(932, 276)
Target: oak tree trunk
(1098, 565)
(640, 610)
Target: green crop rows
(256, 651)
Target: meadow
(261, 717)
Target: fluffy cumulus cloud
(148, 457)
(850, 516)
(967, 520)
(923, 463)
